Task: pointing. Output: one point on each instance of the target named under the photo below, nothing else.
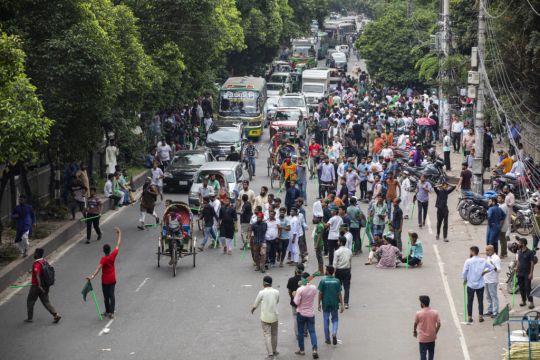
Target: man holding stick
(92, 215)
(108, 274)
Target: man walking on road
(422, 195)
(342, 262)
(441, 204)
(268, 298)
(305, 317)
(496, 218)
(40, 288)
(92, 215)
(474, 270)
(108, 274)
(25, 218)
(292, 285)
(330, 300)
(426, 326)
(259, 242)
(491, 280)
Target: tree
(393, 44)
(23, 128)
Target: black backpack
(47, 274)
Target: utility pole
(478, 164)
(444, 117)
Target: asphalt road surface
(204, 313)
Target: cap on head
(267, 280)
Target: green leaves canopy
(22, 124)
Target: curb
(11, 272)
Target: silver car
(229, 171)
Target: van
(315, 85)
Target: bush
(40, 232)
(9, 252)
(53, 212)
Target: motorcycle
(468, 200)
(512, 247)
(522, 219)
(434, 172)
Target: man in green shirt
(319, 242)
(331, 299)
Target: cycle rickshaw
(176, 238)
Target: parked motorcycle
(522, 219)
(471, 201)
(433, 171)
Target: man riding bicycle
(251, 153)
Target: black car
(221, 138)
(179, 174)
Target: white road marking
(452, 304)
(142, 284)
(428, 222)
(106, 328)
(54, 257)
(247, 285)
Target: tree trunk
(90, 166)
(25, 184)
(3, 183)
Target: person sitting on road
(414, 258)
(389, 255)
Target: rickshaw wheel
(199, 224)
(272, 179)
(174, 255)
(269, 165)
(158, 254)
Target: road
(204, 313)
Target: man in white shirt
(268, 299)
(491, 280)
(262, 199)
(342, 263)
(333, 226)
(271, 238)
(294, 237)
(164, 152)
(157, 179)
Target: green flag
(86, 289)
(503, 316)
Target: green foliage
(22, 124)
(9, 252)
(393, 45)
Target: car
(231, 171)
(179, 174)
(339, 61)
(275, 89)
(344, 49)
(294, 100)
(220, 138)
(329, 56)
(282, 78)
(270, 108)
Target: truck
(315, 83)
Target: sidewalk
(15, 269)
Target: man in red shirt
(108, 274)
(38, 289)
(314, 152)
(426, 326)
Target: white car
(294, 100)
(275, 89)
(283, 78)
(344, 49)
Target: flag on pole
(86, 289)
(503, 316)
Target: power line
(533, 9)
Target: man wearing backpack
(42, 280)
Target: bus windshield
(239, 102)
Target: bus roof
(244, 82)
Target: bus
(323, 45)
(243, 99)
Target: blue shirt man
(496, 217)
